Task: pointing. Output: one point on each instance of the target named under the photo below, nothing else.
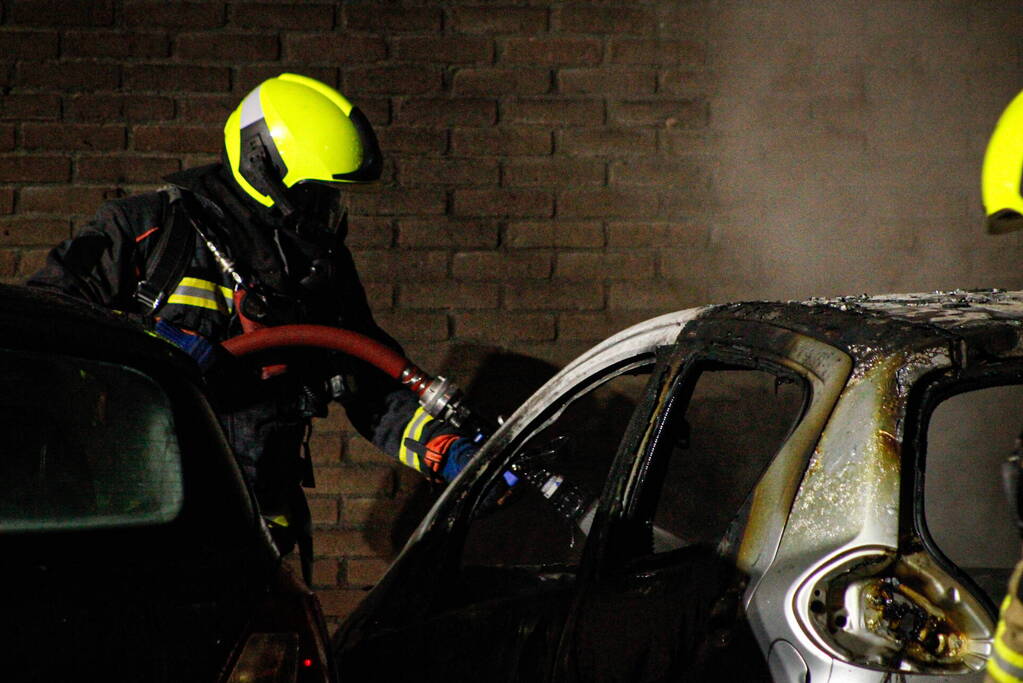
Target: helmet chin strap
(281, 201)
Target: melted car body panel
(841, 580)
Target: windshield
(85, 444)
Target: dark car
(131, 548)
(797, 491)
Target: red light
(307, 663)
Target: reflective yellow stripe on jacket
(414, 431)
(1005, 665)
(192, 291)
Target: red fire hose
(333, 339)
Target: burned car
(132, 549)
(790, 491)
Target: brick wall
(555, 170)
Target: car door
(964, 437)
(484, 596)
(924, 607)
(704, 481)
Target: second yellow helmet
(1003, 171)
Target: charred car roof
(868, 327)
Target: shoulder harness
(170, 257)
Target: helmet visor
(372, 160)
(1004, 221)
(318, 207)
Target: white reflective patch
(252, 110)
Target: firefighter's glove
(195, 345)
(459, 455)
(446, 455)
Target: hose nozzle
(443, 400)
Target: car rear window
(969, 438)
(85, 444)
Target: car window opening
(718, 445)
(967, 514)
(579, 445)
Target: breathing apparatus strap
(170, 257)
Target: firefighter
(1003, 204)
(258, 240)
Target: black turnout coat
(314, 280)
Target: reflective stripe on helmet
(193, 291)
(251, 109)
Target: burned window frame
(926, 395)
(826, 368)
(644, 363)
(512, 449)
(673, 398)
